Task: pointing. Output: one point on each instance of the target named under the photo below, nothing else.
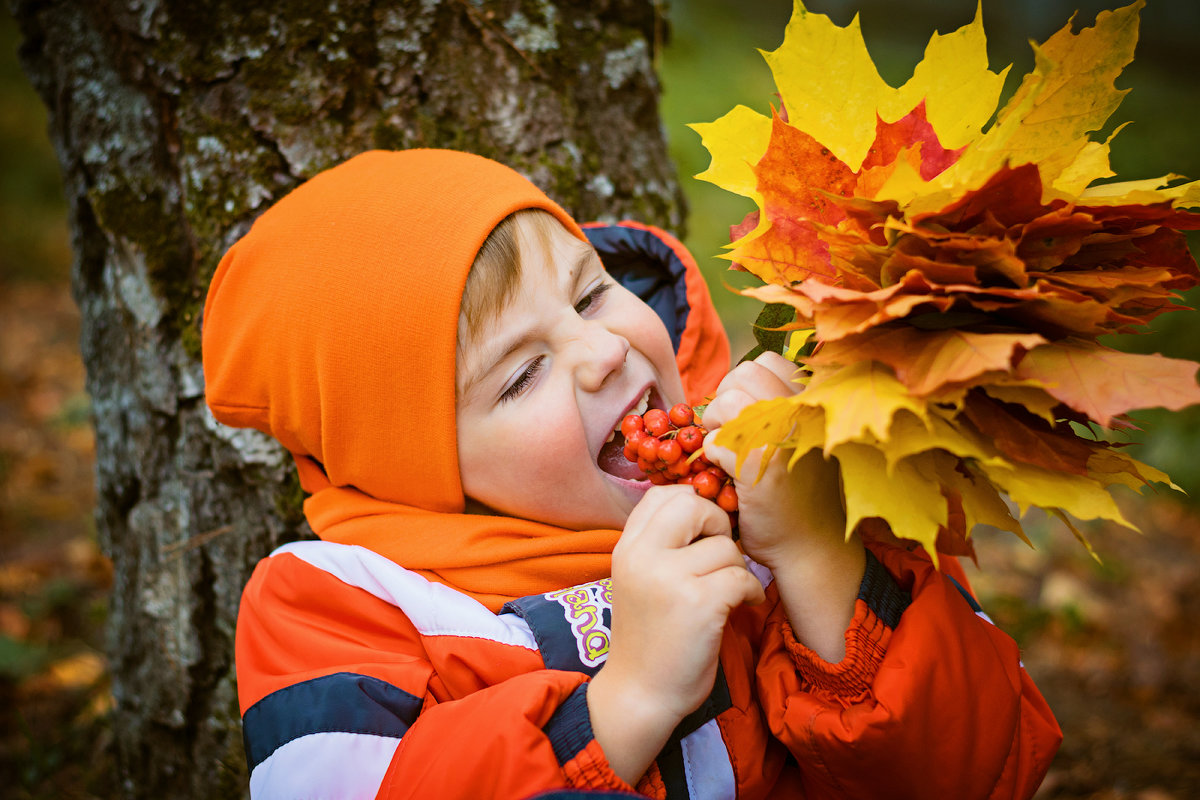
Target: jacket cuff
(877, 612)
(570, 733)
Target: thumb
(745, 588)
(727, 459)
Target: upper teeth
(639, 409)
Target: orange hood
(331, 326)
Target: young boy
(497, 605)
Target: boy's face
(541, 392)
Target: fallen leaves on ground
(54, 686)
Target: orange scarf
(331, 326)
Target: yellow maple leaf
(1090, 165)
(737, 141)
(904, 495)
(953, 79)
(1144, 192)
(1027, 394)
(904, 185)
(910, 435)
(1069, 94)
(839, 114)
(925, 360)
(982, 503)
(1114, 467)
(860, 399)
(1033, 487)
(767, 423)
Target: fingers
(726, 459)
(674, 522)
(719, 570)
(673, 535)
(710, 554)
(782, 368)
(769, 375)
(738, 586)
(673, 516)
(720, 565)
(726, 405)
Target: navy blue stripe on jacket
(570, 728)
(343, 702)
(881, 594)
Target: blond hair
(497, 270)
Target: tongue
(612, 460)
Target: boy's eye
(523, 380)
(592, 297)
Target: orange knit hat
(331, 325)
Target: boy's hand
(784, 514)
(791, 521)
(676, 576)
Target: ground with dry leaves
(53, 580)
(1114, 646)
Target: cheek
(521, 452)
(648, 335)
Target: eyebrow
(501, 352)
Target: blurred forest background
(1113, 645)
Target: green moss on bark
(138, 216)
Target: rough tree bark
(176, 122)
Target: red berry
(669, 451)
(677, 471)
(666, 460)
(689, 438)
(631, 445)
(656, 422)
(681, 415)
(706, 485)
(727, 498)
(631, 425)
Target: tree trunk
(176, 123)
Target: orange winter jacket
(417, 651)
(359, 678)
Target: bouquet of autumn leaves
(954, 280)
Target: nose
(601, 353)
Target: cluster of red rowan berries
(666, 445)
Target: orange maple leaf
(1104, 383)
(925, 361)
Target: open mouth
(612, 454)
